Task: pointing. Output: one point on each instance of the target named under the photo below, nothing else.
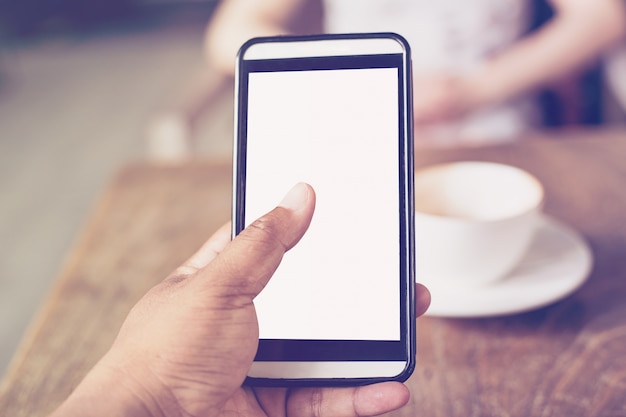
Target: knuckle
(266, 231)
(316, 402)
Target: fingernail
(296, 198)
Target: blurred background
(79, 82)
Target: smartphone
(333, 111)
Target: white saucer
(557, 263)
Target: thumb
(245, 266)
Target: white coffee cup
(473, 221)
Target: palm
(252, 402)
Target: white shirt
(452, 37)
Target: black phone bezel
(342, 350)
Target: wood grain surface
(567, 359)
(149, 220)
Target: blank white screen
(338, 131)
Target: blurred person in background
(615, 73)
(476, 67)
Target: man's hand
(186, 347)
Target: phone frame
(336, 371)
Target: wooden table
(567, 359)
